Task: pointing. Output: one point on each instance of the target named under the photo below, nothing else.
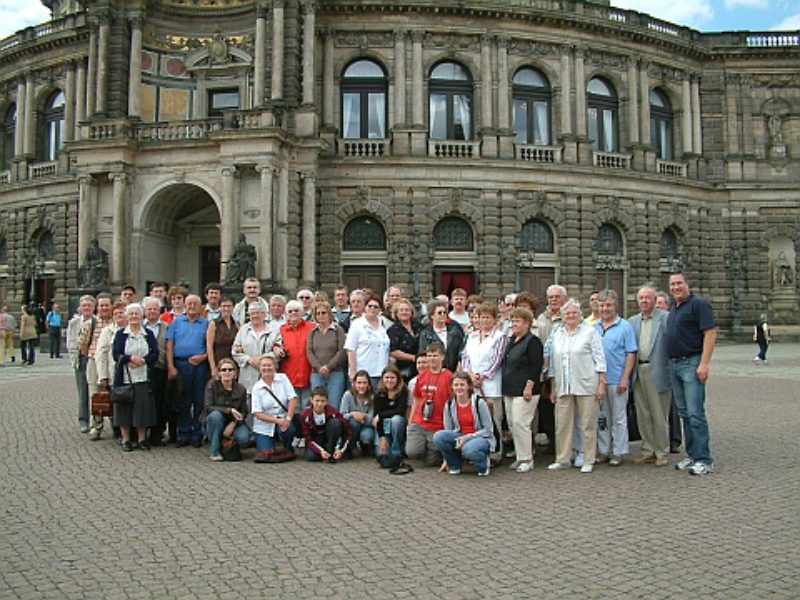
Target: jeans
(267, 442)
(690, 398)
(55, 342)
(334, 383)
(395, 430)
(194, 379)
(762, 350)
(28, 348)
(332, 440)
(215, 423)
(475, 450)
(362, 432)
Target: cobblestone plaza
(82, 520)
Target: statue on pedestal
(93, 273)
(242, 263)
(782, 273)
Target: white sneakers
(525, 467)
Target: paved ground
(81, 519)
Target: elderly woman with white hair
(578, 380)
(295, 364)
(254, 339)
(135, 351)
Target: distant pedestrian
(53, 321)
(762, 337)
(28, 335)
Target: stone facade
(496, 145)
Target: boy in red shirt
(431, 393)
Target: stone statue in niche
(782, 273)
(775, 124)
(93, 273)
(242, 263)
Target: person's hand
(384, 445)
(338, 454)
(197, 359)
(228, 431)
(622, 387)
(172, 372)
(278, 351)
(324, 455)
(324, 371)
(553, 397)
(375, 422)
(214, 372)
(103, 383)
(284, 423)
(598, 395)
(236, 414)
(459, 442)
(702, 372)
(253, 361)
(137, 361)
(443, 468)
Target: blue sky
(705, 15)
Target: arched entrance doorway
(179, 237)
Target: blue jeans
(215, 423)
(362, 432)
(334, 383)
(690, 398)
(193, 378)
(267, 442)
(28, 348)
(475, 450)
(395, 431)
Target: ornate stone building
(482, 143)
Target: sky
(705, 15)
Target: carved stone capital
(502, 42)
(309, 6)
(228, 171)
(400, 35)
(122, 178)
(278, 4)
(417, 36)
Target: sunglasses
(373, 306)
(226, 370)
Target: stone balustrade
(5, 177)
(671, 168)
(362, 147)
(533, 153)
(42, 170)
(611, 160)
(453, 149)
(179, 130)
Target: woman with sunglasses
(326, 354)
(225, 408)
(367, 343)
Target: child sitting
(326, 432)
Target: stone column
(282, 235)
(486, 82)
(309, 50)
(566, 94)
(119, 225)
(417, 105)
(30, 117)
(80, 98)
(503, 96)
(399, 78)
(309, 228)
(277, 49)
(580, 94)
(91, 71)
(102, 64)
(135, 73)
(69, 104)
(19, 128)
(328, 96)
(259, 72)
(266, 235)
(697, 133)
(86, 219)
(687, 115)
(229, 219)
(633, 101)
(644, 104)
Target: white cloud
(746, 3)
(18, 15)
(790, 23)
(692, 13)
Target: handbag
(296, 420)
(122, 393)
(276, 455)
(101, 403)
(231, 451)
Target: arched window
(531, 107)
(603, 117)
(536, 236)
(364, 90)
(453, 234)
(670, 245)
(53, 127)
(9, 128)
(364, 233)
(661, 124)
(609, 241)
(46, 246)
(450, 102)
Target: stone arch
(675, 221)
(456, 206)
(790, 231)
(44, 95)
(145, 206)
(544, 212)
(364, 206)
(38, 220)
(364, 216)
(462, 59)
(370, 54)
(553, 77)
(615, 217)
(609, 77)
(456, 217)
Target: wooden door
(536, 281)
(614, 282)
(372, 277)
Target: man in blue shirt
(691, 334)
(53, 322)
(187, 359)
(619, 344)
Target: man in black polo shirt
(691, 334)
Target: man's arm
(709, 339)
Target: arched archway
(179, 236)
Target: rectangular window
(520, 122)
(462, 128)
(438, 117)
(609, 143)
(593, 128)
(219, 100)
(351, 116)
(377, 116)
(541, 124)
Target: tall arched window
(453, 234)
(53, 127)
(661, 124)
(364, 90)
(670, 245)
(531, 107)
(603, 117)
(450, 102)
(609, 241)
(9, 127)
(536, 236)
(364, 233)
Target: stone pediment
(218, 56)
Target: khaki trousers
(91, 379)
(652, 413)
(496, 408)
(520, 416)
(587, 407)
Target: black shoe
(675, 449)
(197, 443)
(182, 443)
(127, 447)
(145, 445)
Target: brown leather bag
(101, 403)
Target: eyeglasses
(226, 370)
(305, 297)
(293, 310)
(373, 306)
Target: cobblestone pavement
(81, 519)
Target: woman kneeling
(467, 432)
(225, 409)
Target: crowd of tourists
(465, 381)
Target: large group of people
(464, 380)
